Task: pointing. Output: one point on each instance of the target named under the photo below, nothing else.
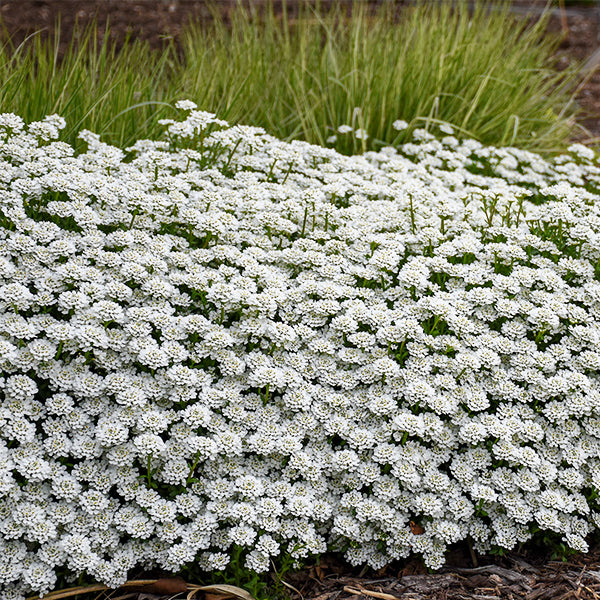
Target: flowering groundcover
(224, 342)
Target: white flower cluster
(223, 340)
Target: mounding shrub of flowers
(222, 342)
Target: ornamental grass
(302, 74)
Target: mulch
(510, 577)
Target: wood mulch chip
(512, 577)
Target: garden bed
(514, 577)
(466, 575)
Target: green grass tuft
(486, 72)
(116, 93)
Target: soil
(512, 577)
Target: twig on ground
(363, 592)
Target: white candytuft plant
(222, 340)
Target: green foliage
(486, 72)
(115, 93)
(261, 586)
(548, 545)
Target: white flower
(399, 125)
(286, 345)
(148, 444)
(242, 535)
(582, 151)
(185, 105)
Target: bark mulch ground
(512, 577)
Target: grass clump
(116, 92)
(486, 72)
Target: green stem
(149, 470)
(304, 221)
